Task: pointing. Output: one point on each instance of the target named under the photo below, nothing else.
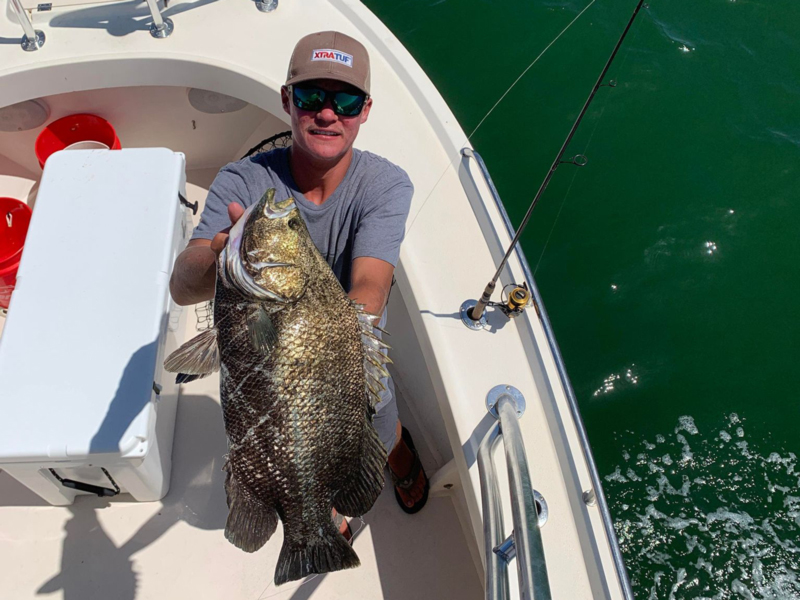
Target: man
(354, 203)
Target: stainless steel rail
(507, 404)
(161, 27)
(32, 39)
(608, 523)
(496, 574)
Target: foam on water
(720, 522)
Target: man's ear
(365, 110)
(285, 99)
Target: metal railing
(32, 39)
(599, 495)
(161, 27)
(506, 404)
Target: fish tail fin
(358, 495)
(250, 522)
(323, 553)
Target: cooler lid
(80, 347)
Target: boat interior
(118, 544)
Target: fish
(300, 373)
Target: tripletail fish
(300, 373)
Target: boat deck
(175, 548)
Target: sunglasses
(344, 104)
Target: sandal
(407, 482)
(338, 519)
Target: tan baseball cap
(330, 55)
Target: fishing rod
(520, 296)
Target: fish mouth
(268, 265)
(235, 275)
(232, 269)
(264, 273)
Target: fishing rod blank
(579, 160)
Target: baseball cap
(330, 55)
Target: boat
(202, 79)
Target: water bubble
(723, 522)
(686, 423)
(710, 247)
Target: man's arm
(370, 283)
(195, 274)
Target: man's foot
(344, 526)
(410, 482)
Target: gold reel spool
(518, 299)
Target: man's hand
(195, 274)
(235, 212)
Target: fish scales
(297, 410)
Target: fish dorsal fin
(375, 356)
(198, 357)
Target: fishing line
(486, 116)
(535, 60)
(473, 315)
(575, 173)
(571, 183)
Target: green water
(669, 263)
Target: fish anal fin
(250, 522)
(198, 356)
(263, 335)
(360, 491)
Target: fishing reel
(513, 302)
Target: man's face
(323, 135)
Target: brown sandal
(407, 482)
(338, 520)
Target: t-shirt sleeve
(382, 227)
(228, 186)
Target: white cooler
(85, 404)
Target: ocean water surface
(669, 263)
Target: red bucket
(14, 219)
(74, 129)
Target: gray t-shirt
(365, 215)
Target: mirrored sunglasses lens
(308, 99)
(348, 104)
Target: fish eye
(294, 223)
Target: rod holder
(465, 311)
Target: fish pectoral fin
(360, 491)
(198, 357)
(263, 335)
(250, 522)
